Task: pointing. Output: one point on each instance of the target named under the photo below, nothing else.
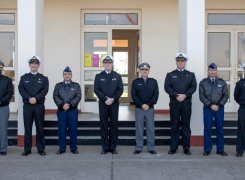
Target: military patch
(102, 79)
(174, 76)
(26, 81)
(219, 85)
(72, 89)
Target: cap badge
(34, 57)
(145, 66)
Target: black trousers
(240, 143)
(34, 113)
(180, 114)
(109, 129)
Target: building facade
(77, 33)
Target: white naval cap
(107, 58)
(243, 66)
(34, 59)
(181, 56)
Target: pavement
(89, 164)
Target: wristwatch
(112, 99)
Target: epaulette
(203, 79)
(25, 74)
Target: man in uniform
(33, 88)
(67, 95)
(180, 84)
(108, 87)
(239, 96)
(213, 94)
(144, 93)
(6, 92)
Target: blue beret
(1, 64)
(181, 56)
(212, 66)
(107, 58)
(67, 69)
(144, 65)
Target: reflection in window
(7, 48)
(241, 49)
(90, 96)
(125, 91)
(13, 97)
(9, 74)
(7, 19)
(240, 75)
(95, 46)
(111, 19)
(119, 43)
(224, 75)
(229, 92)
(226, 19)
(219, 49)
(125, 80)
(120, 62)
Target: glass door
(220, 50)
(240, 57)
(121, 66)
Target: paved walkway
(89, 164)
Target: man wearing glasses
(144, 93)
(108, 87)
(180, 84)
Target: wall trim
(21, 140)
(162, 111)
(53, 111)
(197, 141)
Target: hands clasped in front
(180, 97)
(109, 101)
(33, 100)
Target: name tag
(102, 79)
(72, 89)
(39, 81)
(26, 81)
(114, 79)
(174, 76)
(219, 85)
(140, 84)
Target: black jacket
(33, 86)
(183, 82)
(72, 96)
(108, 85)
(144, 93)
(6, 90)
(216, 94)
(239, 93)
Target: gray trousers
(148, 116)
(4, 117)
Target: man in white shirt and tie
(213, 94)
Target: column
(30, 42)
(192, 42)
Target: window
(7, 19)
(110, 19)
(226, 19)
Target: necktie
(212, 81)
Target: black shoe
(152, 152)
(3, 153)
(239, 155)
(60, 152)
(74, 151)
(171, 151)
(206, 153)
(222, 153)
(187, 152)
(104, 151)
(137, 151)
(26, 153)
(113, 151)
(42, 153)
